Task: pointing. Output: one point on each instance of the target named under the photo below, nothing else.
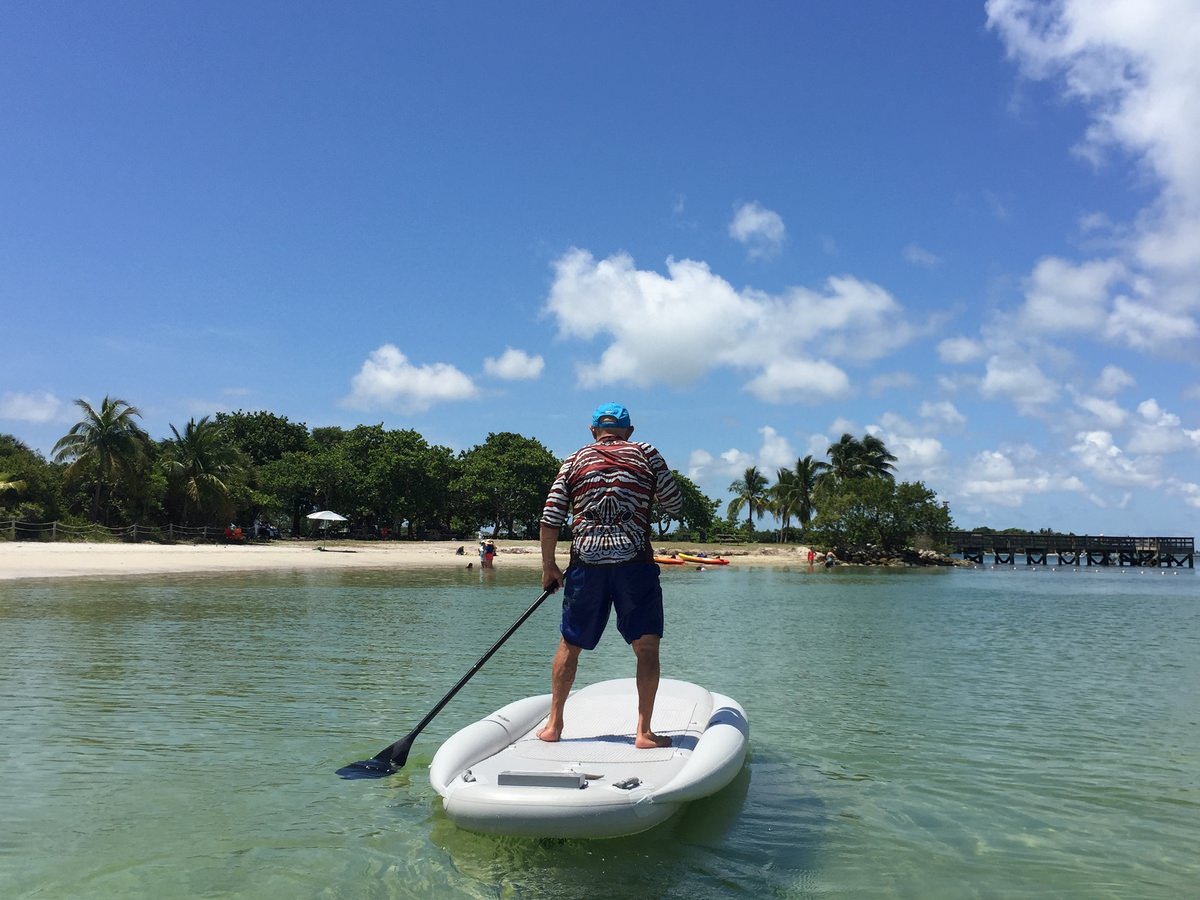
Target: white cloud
(1060, 296)
(1134, 67)
(1007, 477)
(919, 256)
(1020, 380)
(37, 407)
(943, 413)
(1190, 492)
(850, 319)
(1109, 413)
(1145, 327)
(514, 365)
(1097, 453)
(677, 327)
(776, 451)
(718, 472)
(1112, 380)
(799, 381)
(892, 381)
(919, 455)
(1159, 432)
(959, 350)
(387, 379)
(761, 230)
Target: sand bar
(31, 559)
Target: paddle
(390, 759)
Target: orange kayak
(703, 560)
(668, 561)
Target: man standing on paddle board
(608, 487)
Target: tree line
(257, 466)
(851, 501)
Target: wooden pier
(1071, 549)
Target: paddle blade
(381, 765)
(367, 768)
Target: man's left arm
(666, 490)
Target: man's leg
(646, 649)
(562, 676)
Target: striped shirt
(608, 488)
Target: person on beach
(608, 486)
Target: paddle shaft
(397, 754)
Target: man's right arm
(554, 516)
(552, 576)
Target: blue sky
(972, 229)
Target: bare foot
(550, 735)
(651, 740)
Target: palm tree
(200, 463)
(8, 483)
(852, 458)
(877, 461)
(807, 473)
(749, 491)
(843, 457)
(107, 442)
(793, 493)
(783, 498)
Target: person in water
(608, 486)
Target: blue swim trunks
(590, 592)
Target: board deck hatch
(575, 780)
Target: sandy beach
(29, 559)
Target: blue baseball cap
(618, 414)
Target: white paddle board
(496, 776)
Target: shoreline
(34, 560)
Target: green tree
(504, 481)
(751, 493)
(15, 462)
(877, 512)
(793, 492)
(107, 446)
(263, 436)
(808, 473)
(433, 503)
(393, 478)
(291, 484)
(783, 499)
(866, 458)
(202, 468)
(697, 514)
(9, 483)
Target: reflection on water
(1021, 733)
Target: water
(969, 733)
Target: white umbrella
(325, 516)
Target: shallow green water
(977, 733)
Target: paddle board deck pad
(497, 777)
